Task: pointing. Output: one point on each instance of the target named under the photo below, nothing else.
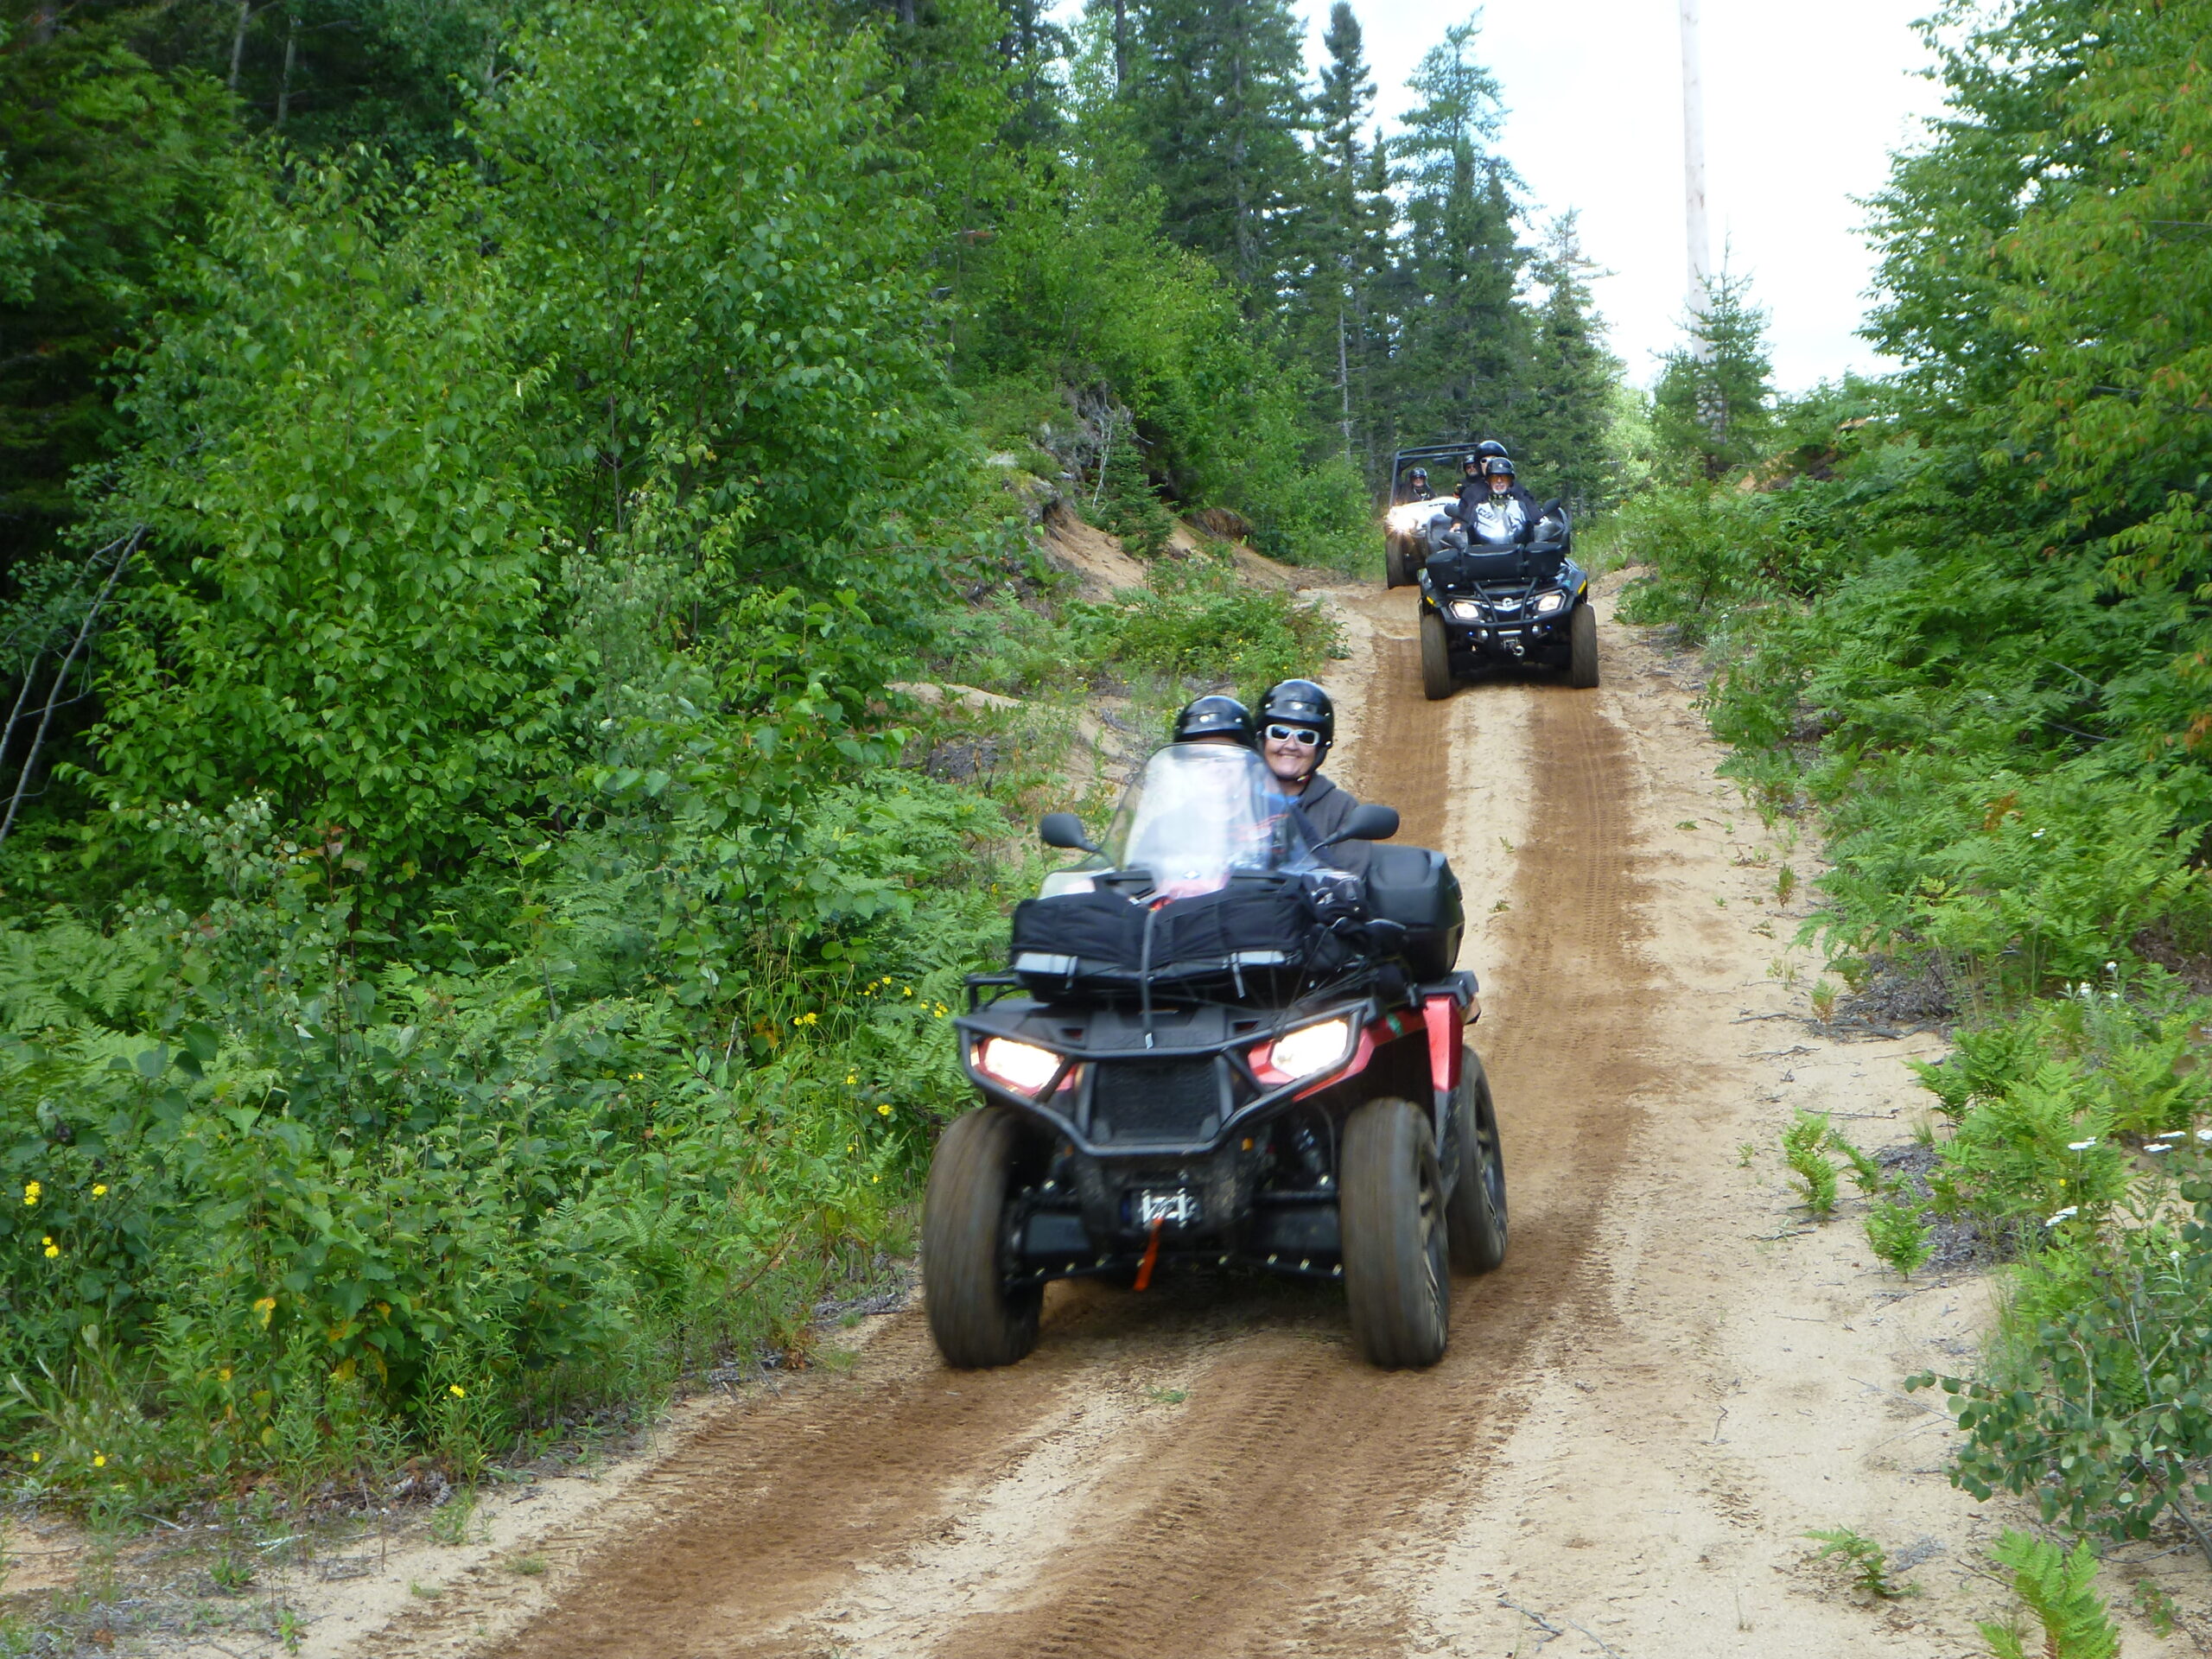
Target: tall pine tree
(1571, 378)
(1460, 368)
(1714, 403)
(1346, 241)
(1215, 84)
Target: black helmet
(1301, 703)
(1217, 716)
(1498, 467)
(1492, 450)
(1420, 473)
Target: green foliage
(2060, 1590)
(1864, 1170)
(1200, 625)
(1713, 403)
(1802, 1150)
(1864, 1560)
(105, 162)
(2097, 1398)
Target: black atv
(1213, 1047)
(1525, 602)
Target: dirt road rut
(1617, 1454)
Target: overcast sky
(1804, 103)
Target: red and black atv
(1215, 1047)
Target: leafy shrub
(2097, 1397)
(1201, 624)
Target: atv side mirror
(1064, 830)
(1552, 506)
(1368, 822)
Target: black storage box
(1456, 571)
(1416, 888)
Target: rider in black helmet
(1217, 720)
(1496, 510)
(1298, 725)
(1415, 487)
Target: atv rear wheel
(1476, 1212)
(1397, 1280)
(976, 1320)
(1435, 658)
(1394, 561)
(1582, 647)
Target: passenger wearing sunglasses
(1297, 724)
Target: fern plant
(2060, 1590)
(1801, 1149)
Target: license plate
(1177, 1208)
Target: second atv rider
(1493, 508)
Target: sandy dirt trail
(1673, 1377)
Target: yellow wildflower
(884, 1110)
(851, 1078)
(875, 1177)
(38, 1456)
(99, 1460)
(51, 1250)
(31, 1190)
(99, 1191)
(223, 1375)
(456, 1390)
(266, 1306)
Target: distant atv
(1214, 1048)
(1526, 602)
(1405, 527)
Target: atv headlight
(1549, 603)
(1311, 1048)
(1465, 610)
(1023, 1067)
(1410, 516)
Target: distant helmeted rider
(1298, 727)
(1415, 487)
(1493, 508)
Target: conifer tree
(1571, 379)
(1461, 359)
(1714, 402)
(1216, 87)
(1340, 243)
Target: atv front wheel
(1397, 1280)
(1582, 647)
(1435, 658)
(1476, 1212)
(1393, 562)
(976, 1320)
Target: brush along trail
(1673, 1377)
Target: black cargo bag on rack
(1250, 931)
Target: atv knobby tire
(1435, 658)
(1395, 574)
(976, 1320)
(1397, 1279)
(1476, 1212)
(1582, 647)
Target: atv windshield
(1201, 811)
